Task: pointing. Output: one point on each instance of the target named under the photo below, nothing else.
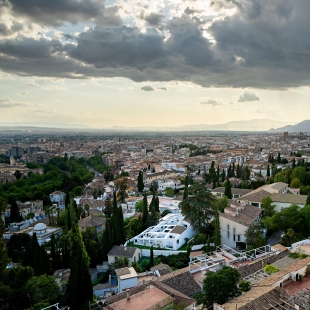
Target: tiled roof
(245, 217)
(182, 281)
(234, 191)
(122, 271)
(258, 298)
(255, 196)
(91, 221)
(122, 251)
(279, 275)
(289, 198)
(162, 269)
(178, 230)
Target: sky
(154, 63)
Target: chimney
(128, 295)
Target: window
(228, 228)
(228, 234)
(234, 233)
(238, 237)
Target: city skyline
(168, 63)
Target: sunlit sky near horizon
(154, 63)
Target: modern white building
(171, 233)
(174, 184)
(234, 222)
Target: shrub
(270, 269)
(245, 286)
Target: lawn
(131, 244)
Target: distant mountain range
(303, 126)
(249, 125)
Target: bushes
(245, 286)
(297, 255)
(175, 261)
(270, 269)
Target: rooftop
(118, 250)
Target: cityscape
(154, 155)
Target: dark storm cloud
(264, 45)
(153, 19)
(56, 12)
(147, 88)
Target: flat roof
(146, 299)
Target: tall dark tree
(227, 191)
(218, 174)
(293, 163)
(67, 201)
(121, 225)
(17, 174)
(79, 288)
(29, 257)
(145, 210)
(268, 171)
(238, 173)
(223, 175)
(212, 175)
(151, 257)
(108, 207)
(185, 194)
(14, 215)
(217, 231)
(233, 170)
(157, 204)
(140, 181)
(279, 158)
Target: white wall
(127, 283)
(280, 205)
(240, 229)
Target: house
(29, 207)
(58, 197)
(285, 200)
(133, 254)
(96, 222)
(103, 289)
(171, 232)
(236, 192)
(126, 278)
(149, 296)
(161, 269)
(234, 222)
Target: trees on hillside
(140, 181)
(268, 207)
(227, 191)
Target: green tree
(296, 183)
(227, 191)
(300, 173)
(254, 236)
(278, 177)
(199, 206)
(221, 203)
(108, 207)
(17, 174)
(14, 216)
(79, 288)
(169, 192)
(308, 200)
(268, 207)
(185, 193)
(268, 171)
(78, 190)
(220, 285)
(122, 190)
(67, 200)
(43, 288)
(279, 158)
(290, 233)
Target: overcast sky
(164, 62)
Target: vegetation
(270, 269)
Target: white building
(235, 221)
(43, 232)
(126, 278)
(174, 184)
(58, 197)
(171, 233)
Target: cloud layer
(248, 44)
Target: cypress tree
(145, 210)
(69, 223)
(108, 208)
(218, 174)
(30, 251)
(151, 257)
(152, 202)
(67, 200)
(121, 225)
(114, 209)
(238, 171)
(223, 175)
(140, 181)
(79, 288)
(217, 232)
(293, 163)
(229, 171)
(185, 194)
(53, 251)
(227, 191)
(75, 209)
(14, 214)
(279, 158)
(268, 171)
(233, 170)
(157, 204)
